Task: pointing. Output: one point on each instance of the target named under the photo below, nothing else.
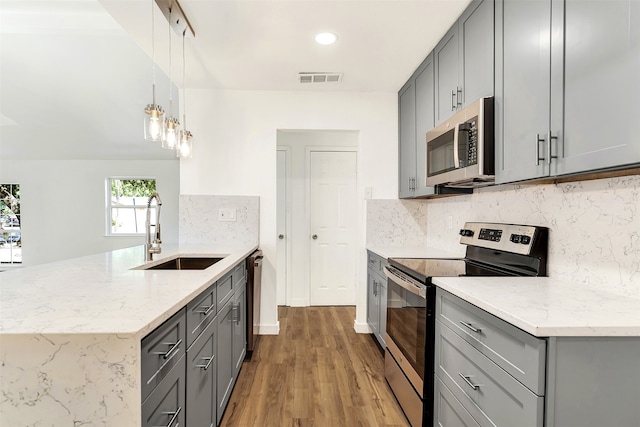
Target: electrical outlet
(226, 214)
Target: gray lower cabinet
(202, 379)
(567, 87)
(490, 373)
(190, 363)
(377, 297)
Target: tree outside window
(10, 225)
(127, 204)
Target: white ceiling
(76, 74)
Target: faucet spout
(152, 246)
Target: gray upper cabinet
(567, 89)
(601, 85)
(464, 60)
(446, 75)
(407, 139)
(415, 118)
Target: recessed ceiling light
(326, 38)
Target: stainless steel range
(492, 250)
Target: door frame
(307, 177)
(288, 292)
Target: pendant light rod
(176, 17)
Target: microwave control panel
(468, 139)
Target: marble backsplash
(199, 221)
(396, 223)
(594, 226)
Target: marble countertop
(102, 294)
(414, 252)
(545, 307)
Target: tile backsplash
(594, 226)
(396, 223)
(200, 223)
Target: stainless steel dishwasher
(254, 277)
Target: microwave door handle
(456, 155)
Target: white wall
(63, 204)
(298, 142)
(235, 154)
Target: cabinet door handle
(458, 96)
(538, 141)
(235, 313)
(174, 416)
(470, 326)
(375, 288)
(551, 138)
(467, 379)
(206, 366)
(203, 309)
(453, 102)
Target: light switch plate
(226, 214)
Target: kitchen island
(70, 332)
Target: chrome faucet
(152, 247)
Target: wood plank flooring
(318, 372)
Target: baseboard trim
(273, 329)
(299, 302)
(361, 328)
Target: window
(10, 220)
(127, 205)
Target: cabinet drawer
(166, 404)
(201, 378)
(224, 289)
(488, 393)
(239, 273)
(520, 354)
(447, 410)
(161, 350)
(200, 312)
(376, 263)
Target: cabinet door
(407, 140)
(523, 70)
(239, 327)
(373, 303)
(201, 379)
(382, 330)
(601, 85)
(224, 355)
(425, 120)
(165, 406)
(476, 51)
(448, 411)
(446, 74)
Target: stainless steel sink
(186, 263)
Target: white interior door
(332, 203)
(281, 229)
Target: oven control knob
(525, 240)
(466, 233)
(515, 238)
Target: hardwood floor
(317, 372)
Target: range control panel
(505, 237)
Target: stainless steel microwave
(460, 150)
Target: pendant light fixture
(154, 113)
(184, 149)
(171, 128)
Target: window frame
(109, 207)
(12, 263)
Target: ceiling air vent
(308, 77)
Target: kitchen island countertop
(546, 307)
(70, 332)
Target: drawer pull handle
(209, 360)
(172, 351)
(467, 379)
(203, 309)
(470, 326)
(173, 415)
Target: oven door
(407, 324)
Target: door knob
(314, 237)
(281, 236)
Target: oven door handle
(397, 277)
